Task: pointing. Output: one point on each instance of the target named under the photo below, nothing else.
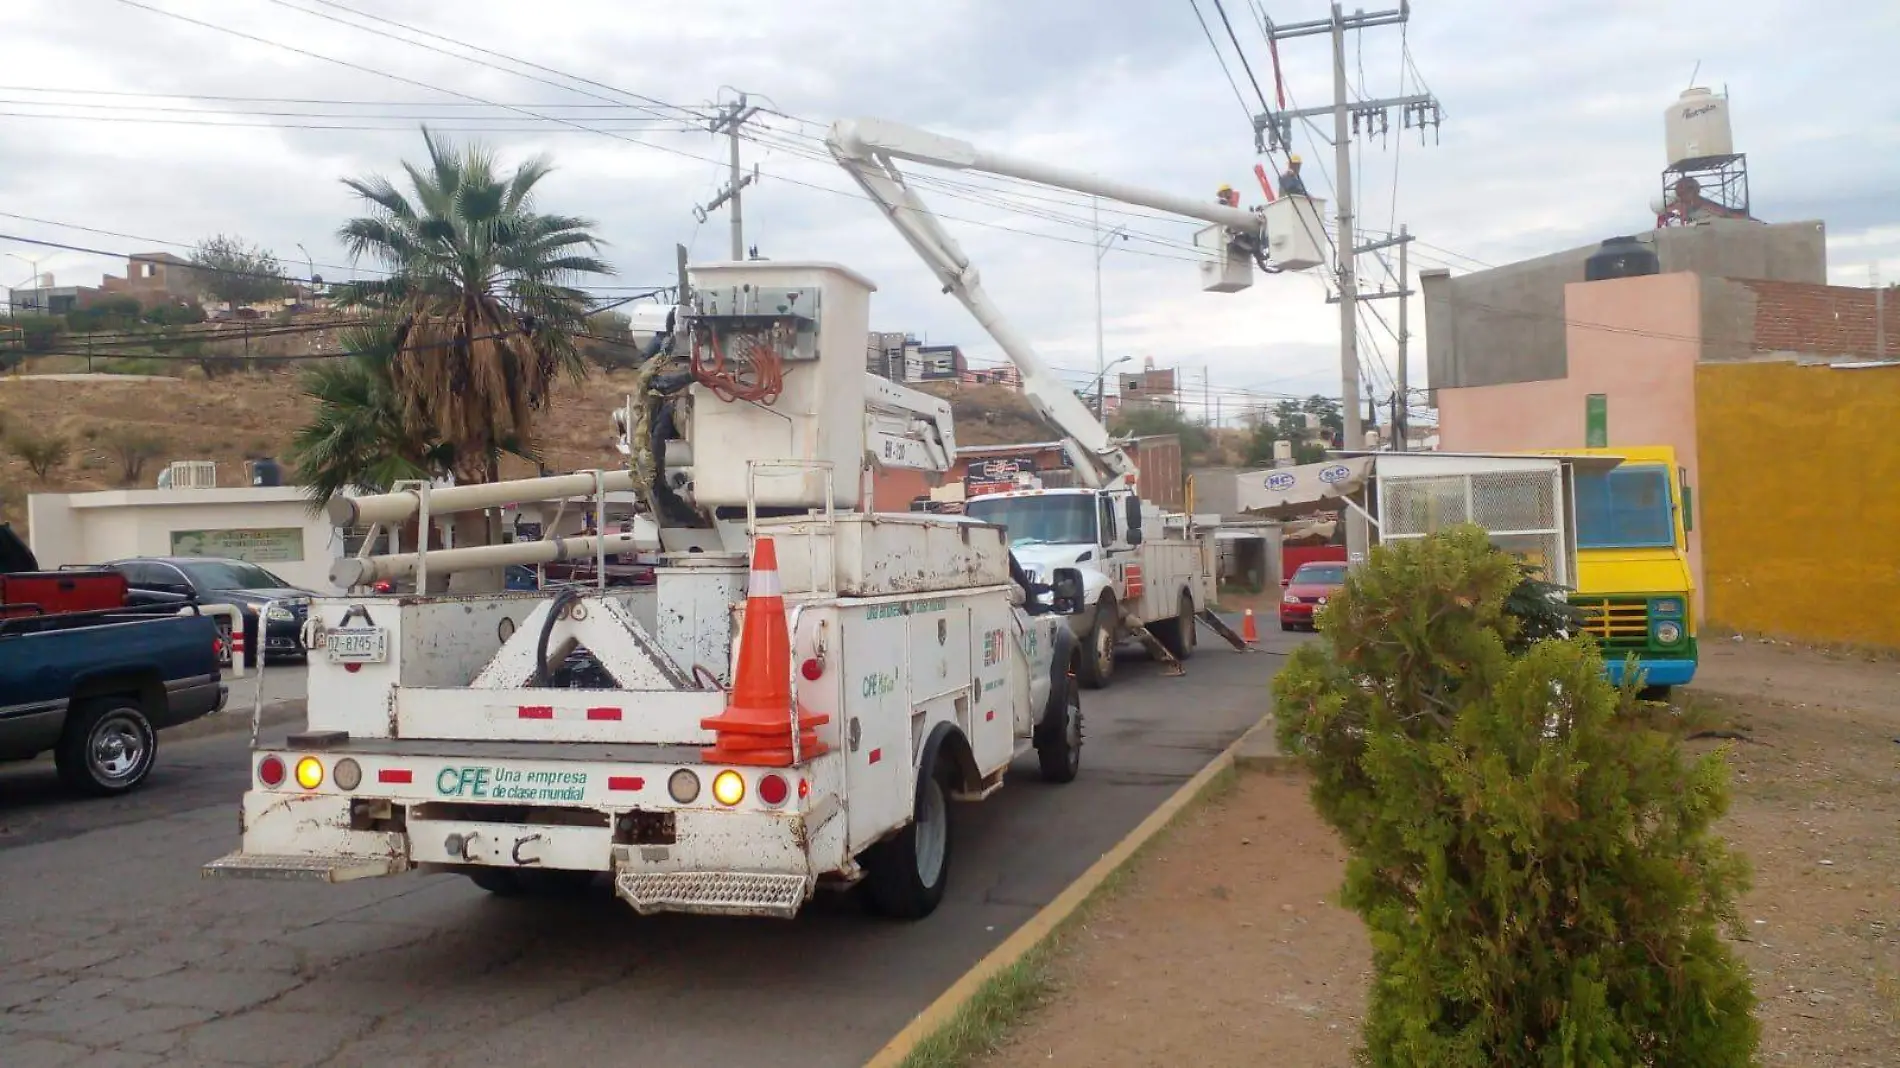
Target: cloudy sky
(1553, 137)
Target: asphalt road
(113, 951)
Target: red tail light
(270, 771)
(772, 789)
(812, 669)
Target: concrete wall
(1797, 501)
(91, 528)
(1507, 324)
(1216, 491)
(1635, 340)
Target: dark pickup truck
(95, 688)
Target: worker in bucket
(1227, 196)
(1291, 184)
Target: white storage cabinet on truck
(1136, 571)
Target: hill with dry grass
(234, 417)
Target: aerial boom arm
(868, 150)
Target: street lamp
(33, 281)
(1103, 242)
(311, 281)
(1101, 379)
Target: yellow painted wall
(1798, 502)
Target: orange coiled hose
(756, 372)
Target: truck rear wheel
(1097, 654)
(907, 872)
(1059, 736)
(1177, 635)
(107, 748)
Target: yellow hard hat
(1293, 158)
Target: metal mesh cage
(1541, 553)
(1419, 506)
(1514, 500)
(1521, 509)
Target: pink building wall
(1635, 340)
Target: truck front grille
(1616, 623)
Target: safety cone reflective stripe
(756, 728)
(1249, 633)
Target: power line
(1238, 95)
(148, 121)
(997, 198)
(578, 125)
(669, 124)
(320, 101)
(129, 256)
(453, 342)
(658, 107)
(152, 240)
(1244, 65)
(198, 267)
(1195, 255)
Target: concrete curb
(1051, 917)
(235, 718)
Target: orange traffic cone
(1248, 632)
(756, 728)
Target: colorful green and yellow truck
(1634, 584)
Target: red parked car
(1307, 591)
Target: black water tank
(1621, 257)
(266, 472)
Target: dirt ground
(1224, 948)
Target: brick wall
(1819, 320)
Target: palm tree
(358, 438)
(481, 297)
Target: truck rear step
(320, 869)
(722, 892)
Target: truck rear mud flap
(714, 892)
(317, 869)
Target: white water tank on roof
(1696, 126)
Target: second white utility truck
(1139, 571)
(1146, 579)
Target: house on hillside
(151, 278)
(47, 299)
(154, 278)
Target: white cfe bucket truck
(1148, 576)
(791, 705)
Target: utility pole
(1402, 294)
(729, 120)
(1348, 280)
(1274, 130)
(1402, 409)
(1103, 242)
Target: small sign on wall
(260, 545)
(1596, 421)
